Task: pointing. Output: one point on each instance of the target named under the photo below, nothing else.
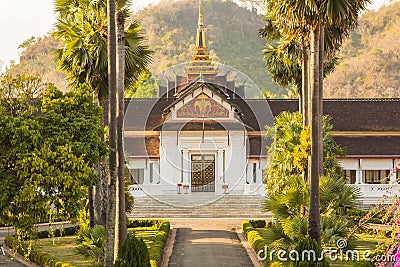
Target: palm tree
(318, 18)
(82, 27)
(111, 248)
(121, 216)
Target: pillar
(220, 166)
(186, 167)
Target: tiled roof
(370, 145)
(364, 116)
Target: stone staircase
(198, 205)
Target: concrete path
(208, 243)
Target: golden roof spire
(200, 23)
(200, 62)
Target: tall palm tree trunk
(121, 111)
(100, 189)
(110, 252)
(305, 99)
(321, 97)
(304, 87)
(314, 224)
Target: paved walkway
(208, 243)
(7, 261)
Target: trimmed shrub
(143, 223)
(157, 248)
(72, 230)
(246, 226)
(133, 253)
(257, 242)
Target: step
(198, 206)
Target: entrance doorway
(203, 173)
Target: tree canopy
(82, 27)
(50, 146)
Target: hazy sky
(21, 19)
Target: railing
(374, 193)
(135, 187)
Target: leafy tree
(146, 87)
(45, 166)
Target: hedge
(143, 223)
(68, 231)
(156, 250)
(39, 257)
(255, 239)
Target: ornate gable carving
(202, 106)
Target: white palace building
(204, 133)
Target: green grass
(146, 233)
(64, 248)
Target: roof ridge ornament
(201, 77)
(200, 22)
(200, 61)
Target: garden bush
(309, 244)
(257, 242)
(133, 253)
(92, 242)
(156, 250)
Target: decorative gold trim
(140, 133)
(365, 133)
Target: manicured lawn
(146, 233)
(64, 248)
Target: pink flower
(397, 257)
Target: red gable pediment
(202, 106)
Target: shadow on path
(208, 248)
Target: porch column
(186, 167)
(393, 176)
(146, 173)
(220, 166)
(359, 179)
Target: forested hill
(370, 65)
(232, 36)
